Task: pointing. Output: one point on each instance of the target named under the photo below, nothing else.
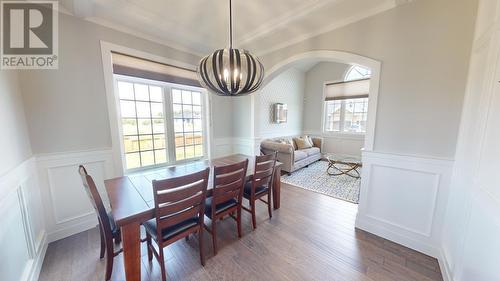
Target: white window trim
(113, 102)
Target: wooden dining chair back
(179, 208)
(107, 227)
(261, 184)
(227, 196)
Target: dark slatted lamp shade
(231, 72)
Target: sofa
(288, 154)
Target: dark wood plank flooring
(312, 237)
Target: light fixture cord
(230, 25)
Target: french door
(161, 123)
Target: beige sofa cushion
(311, 151)
(299, 155)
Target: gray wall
(313, 102)
(242, 116)
(424, 48)
(66, 108)
(15, 141)
(287, 88)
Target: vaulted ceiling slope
(200, 26)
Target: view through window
(348, 116)
(346, 111)
(148, 110)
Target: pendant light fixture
(231, 72)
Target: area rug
(316, 179)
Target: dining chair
(179, 208)
(109, 232)
(260, 185)
(227, 196)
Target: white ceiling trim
(83, 8)
(386, 5)
(141, 35)
(268, 27)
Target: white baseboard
(444, 266)
(35, 265)
(379, 228)
(76, 227)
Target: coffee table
(343, 165)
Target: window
(346, 103)
(357, 73)
(161, 122)
(346, 116)
(187, 124)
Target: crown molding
(144, 36)
(386, 5)
(268, 27)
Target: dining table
(132, 203)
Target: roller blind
(348, 90)
(137, 67)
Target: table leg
(131, 242)
(276, 188)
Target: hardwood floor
(312, 237)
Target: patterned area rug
(316, 179)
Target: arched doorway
(345, 58)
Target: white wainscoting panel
(23, 237)
(345, 145)
(403, 199)
(67, 207)
(222, 147)
(247, 146)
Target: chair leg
(200, 243)
(162, 265)
(269, 204)
(109, 261)
(103, 242)
(238, 221)
(149, 245)
(214, 236)
(254, 219)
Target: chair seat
(221, 207)
(114, 229)
(258, 190)
(169, 232)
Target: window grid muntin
(140, 151)
(357, 72)
(194, 145)
(329, 124)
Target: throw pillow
(309, 139)
(302, 143)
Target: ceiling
(201, 26)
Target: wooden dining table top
(131, 196)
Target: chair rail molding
(65, 211)
(403, 198)
(23, 241)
